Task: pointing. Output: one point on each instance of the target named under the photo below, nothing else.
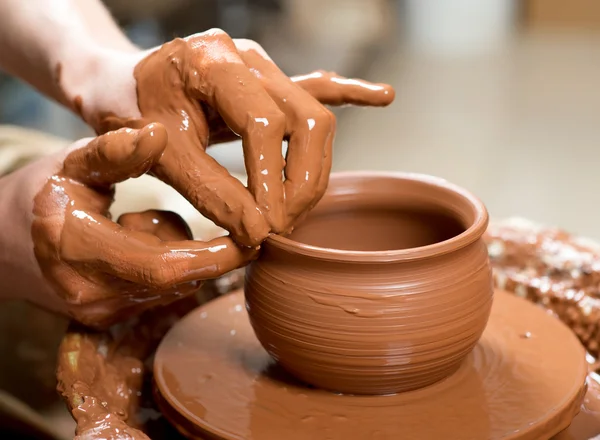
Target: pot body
(367, 324)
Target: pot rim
(470, 235)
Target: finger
(231, 89)
(310, 127)
(213, 191)
(106, 300)
(302, 192)
(305, 161)
(325, 172)
(91, 239)
(321, 187)
(117, 156)
(331, 89)
(108, 305)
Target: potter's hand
(105, 271)
(106, 377)
(100, 386)
(206, 88)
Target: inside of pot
(376, 229)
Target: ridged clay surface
(385, 287)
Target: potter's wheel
(524, 380)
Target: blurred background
(500, 96)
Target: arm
(55, 45)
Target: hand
(100, 385)
(103, 271)
(208, 88)
(106, 377)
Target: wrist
(75, 73)
(101, 82)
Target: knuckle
(321, 189)
(219, 37)
(278, 118)
(213, 32)
(321, 119)
(326, 119)
(159, 276)
(272, 121)
(215, 40)
(305, 194)
(302, 202)
(81, 143)
(246, 45)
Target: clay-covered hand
(106, 377)
(208, 88)
(103, 271)
(100, 386)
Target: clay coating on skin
(208, 88)
(102, 271)
(385, 287)
(225, 386)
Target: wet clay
(104, 271)
(395, 304)
(227, 387)
(586, 425)
(206, 89)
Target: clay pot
(385, 287)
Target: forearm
(102, 27)
(54, 44)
